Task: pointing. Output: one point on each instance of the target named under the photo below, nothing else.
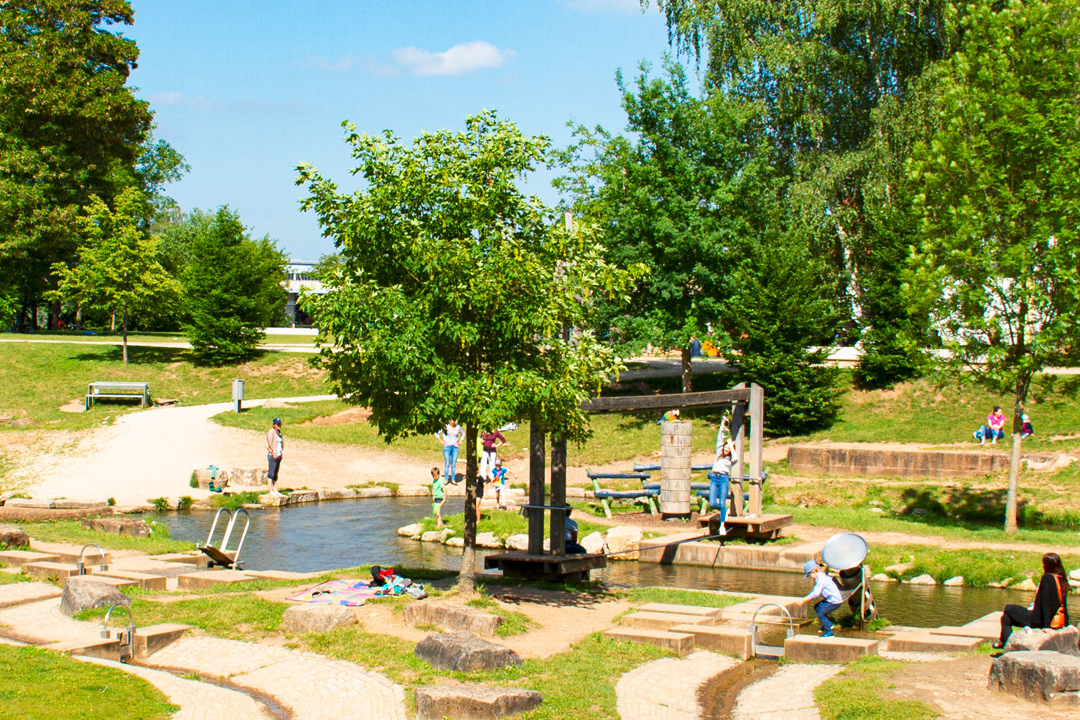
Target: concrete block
(984, 631)
(51, 570)
(210, 578)
(336, 494)
(150, 639)
(663, 620)
(196, 559)
(679, 643)
(143, 580)
(811, 648)
(701, 611)
(105, 649)
(26, 592)
(372, 492)
(791, 559)
(727, 640)
(117, 582)
(925, 641)
(18, 558)
(69, 553)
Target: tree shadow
(137, 355)
(947, 506)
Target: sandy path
(152, 453)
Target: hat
(277, 421)
(498, 461)
(1026, 418)
(808, 567)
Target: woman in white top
(451, 441)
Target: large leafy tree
(70, 129)
(999, 180)
(233, 287)
(671, 197)
(117, 271)
(453, 290)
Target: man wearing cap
(825, 588)
(275, 446)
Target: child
(438, 495)
(825, 588)
(1026, 430)
(498, 477)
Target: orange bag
(1059, 620)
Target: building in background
(300, 277)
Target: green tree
(117, 271)
(453, 291)
(70, 127)
(999, 269)
(233, 288)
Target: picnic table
(101, 390)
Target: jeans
(986, 433)
(823, 608)
(718, 493)
(450, 453)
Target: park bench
(605, 497)
(117, 391)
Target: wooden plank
(665, 402)
(550, 564)
(757, 421)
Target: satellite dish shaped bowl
(844, 551)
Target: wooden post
(738, 439)
(558, 494)
(536, 489)
(757, 421)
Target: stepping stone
(663, 620)
(700, 611)
(52, 570)
(811, 648)
(18, 558)
(20, 593)
(453, 617)
(316, 617)
(143, 580)
(465, 653)
(198, 560)
(466, 700)
(994, 618)
(727, 640)
(150, 639)
(985, 631)
(117, 582)
(210, 578)
(679, 643)
(68, 553)
(106, 649)
(925, 641)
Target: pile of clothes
(388, 583)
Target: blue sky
(246, 90)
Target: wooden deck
(760, 527)
(545, 567)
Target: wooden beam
(536, 489)
(757, 421)
(666, 402)
(558, 494)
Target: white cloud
(458, 60)
(612, 6)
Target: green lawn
(38, 684)
(72, 531)
(858, 693)
(37, 378)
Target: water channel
(327, 536)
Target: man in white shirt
(275, 446)
(825, 588)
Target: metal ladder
(220, 554)
(769, 651)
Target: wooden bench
(605, 497)
(117, 391)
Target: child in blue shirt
(825, 588)
(498, 478)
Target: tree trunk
(125, 323)
(467, 578)
(687, 371)
(1014, 463)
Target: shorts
(480, 488)
(436, 505)
(273, 464)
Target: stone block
(210, 578)
(987, 632)
(373, 492)
(30, 503)
(727, 640)
(125, 526)
(811, 648)
(336, 494)
(106, 649)
(431, 536)
(488, 540)
(86, 592)
(700, 611)
(148, 640)
(453, 617)
(144, 580)
(791, 559)
(593, 543)
(26, 592)
(314, 617)
(625, 541)
(18, 558)
(455, 542)
(412, 491)
(1035, 675)
(465, 653)
(925, 641)
(663, 620)
(922, 580)
(411, 531)
(116, 582)
(474, 702)
(64, 504)
(1063, 641)
(679, 643)
(13, 536)
(957, 581)
(51, 570)
(852, 460)
(302, 497)
(196, 559)
(518, 543)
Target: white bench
(117, 391)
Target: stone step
(985, 631)
(18, 558)
(68, 553)
(210, 578)
(50, 570)
(993, 618)
(27, 592)
(107, 649)
(197, 559)
(150, 639)
(143, 580)
(663, 620)
(726, 640)
(699, 610)
(925, 641)
(811, 648)
(116, 582)
(677, 642)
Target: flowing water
(327, 536)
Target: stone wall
(871, 461)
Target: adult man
(275, 446)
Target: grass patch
(37, 378)
(515, 623)
(978, 567)
(857, 694)
(72, 531)
(230, 616)
(38, 684)
(643, 595)
(234, 501)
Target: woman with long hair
(1050, 609)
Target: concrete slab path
(787, 694)
(680, 678)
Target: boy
(825, 587)
(438, 495)
(498, 477)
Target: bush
(185, 503)
(160, 504)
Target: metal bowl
(845, 550)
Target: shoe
(827, 633)
(997, 645)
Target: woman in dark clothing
(1050, 609)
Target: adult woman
(1050, 609)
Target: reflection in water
(332, 535)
